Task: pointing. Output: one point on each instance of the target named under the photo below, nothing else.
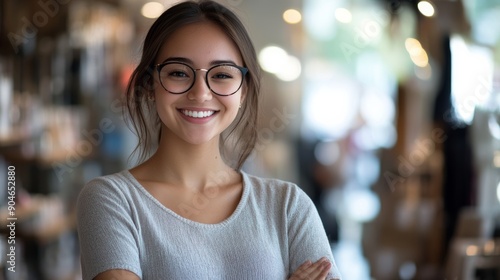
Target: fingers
(312, 271)
(304, 266)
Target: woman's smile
(197, 116)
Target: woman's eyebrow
(178, 59)
(217, 62)
(189, 61)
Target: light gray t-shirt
(273, 230)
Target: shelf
(43, 218)
(15, 137)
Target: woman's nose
(200, 90)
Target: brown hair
(238, 140)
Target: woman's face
(197, 116)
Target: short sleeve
(306, 234)
(106, 230)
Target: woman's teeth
(198, 114)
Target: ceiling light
(152, 9)
(412, 44)
(292, 16)
(417, 54)
(420, 59)
(426, 8)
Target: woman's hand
(312, 271)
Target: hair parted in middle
(239, 139)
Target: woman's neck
(182, 164)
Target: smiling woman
(188, 211)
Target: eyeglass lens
(222, 79)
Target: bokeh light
(417, 53)
(363, 205)
(343, 15)
(426, 8)
(272, 58)
(292, 16)
(276, 60)
(290, 70)
(498, 191)
(152, 9)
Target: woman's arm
(312, 271)
(117, 274)
(107, 232)
(307, 239)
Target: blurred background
(386, 112)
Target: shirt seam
(119, 266)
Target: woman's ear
(244, 91)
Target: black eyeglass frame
(243, 71)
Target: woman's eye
(178, 74)
(222, 76)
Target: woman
(188, 211)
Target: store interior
(385, 112)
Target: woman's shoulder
(274, 187)
(278, 196)
(106, 181)
(112, 184)
(267, 182)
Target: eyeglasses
(222, 79)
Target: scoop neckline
(126, 173)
